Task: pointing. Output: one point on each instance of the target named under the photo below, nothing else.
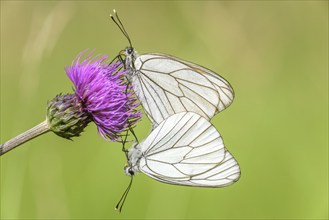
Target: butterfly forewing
(185, 149)
(167, 85)
(153, 98)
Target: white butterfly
(166, 85)
(185, 149)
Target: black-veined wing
(167, 85)
(185, 149)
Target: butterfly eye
(129, 171)
(130, 50)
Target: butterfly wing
(167, 85)
(186, 149)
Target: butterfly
(185, 149)
(166, 85)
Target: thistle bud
(66, 117)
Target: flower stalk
(34, 132)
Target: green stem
(40, 129)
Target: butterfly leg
(132, 131)
(124, 141)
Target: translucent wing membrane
(167, 85)
(186, 149)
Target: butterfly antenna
(123, 28)
(120, 26)
(124, 196)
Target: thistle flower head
(104, 94)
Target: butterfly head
(129, 170)
(130, 57)
(129, 51)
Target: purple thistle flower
(104, 94)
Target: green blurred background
(274, 53)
